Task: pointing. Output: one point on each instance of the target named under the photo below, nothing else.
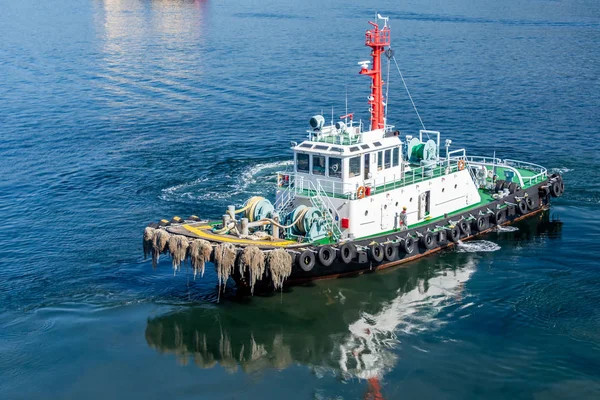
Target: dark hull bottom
(364, 262)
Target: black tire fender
(390, 251)
(522, 207)
(555, 189)
(347, 253)
(480, 223)
(512, 188)
(307, 260)
(465, 227)
(408, 245)
(454, 233)
(376, 252)
(428, 240)
(326, 255)
(530, 203)
(499, 217)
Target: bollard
(244, 226)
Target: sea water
(114, 114)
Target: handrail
(512, 165)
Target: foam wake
(477, 246)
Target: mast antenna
(377, 39)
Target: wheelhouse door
(424, 206)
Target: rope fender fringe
(159, 245)
(178, 246)
(253, 260)
(147, 241)
(225, 255)
(280, 266)
(199, 253)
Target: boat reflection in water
(348, 326)
(353, 328)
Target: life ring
(390, 251)
(347, 252)
(360, 192)
(306, 261)
(428, 240)
(461, 165)
(326, 255)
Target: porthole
(385, 206)
(443, 189)
(366, 213)
(410, 200)
(396, 204)
(455, 186)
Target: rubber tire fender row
(454, 233)
(428, 240)
(347, 253)
(408, 245)
(480, 223)
(326, 255)
(390, 251)
(465, 227)
(376, 252)
(522, 207)
(306, 260)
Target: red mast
(376, 39)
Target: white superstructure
(369, 185)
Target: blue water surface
(116, 113)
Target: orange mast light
(376, 39)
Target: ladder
(322, 202)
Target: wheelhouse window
(318, 166)
(354, 169)
(302, 162)
(396, 156)
(335, 167)
(380, 161)
(388, 159)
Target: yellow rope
(252, 201)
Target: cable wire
(408, 92)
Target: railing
(541, 173)
(341, 190)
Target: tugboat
(358, 200)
